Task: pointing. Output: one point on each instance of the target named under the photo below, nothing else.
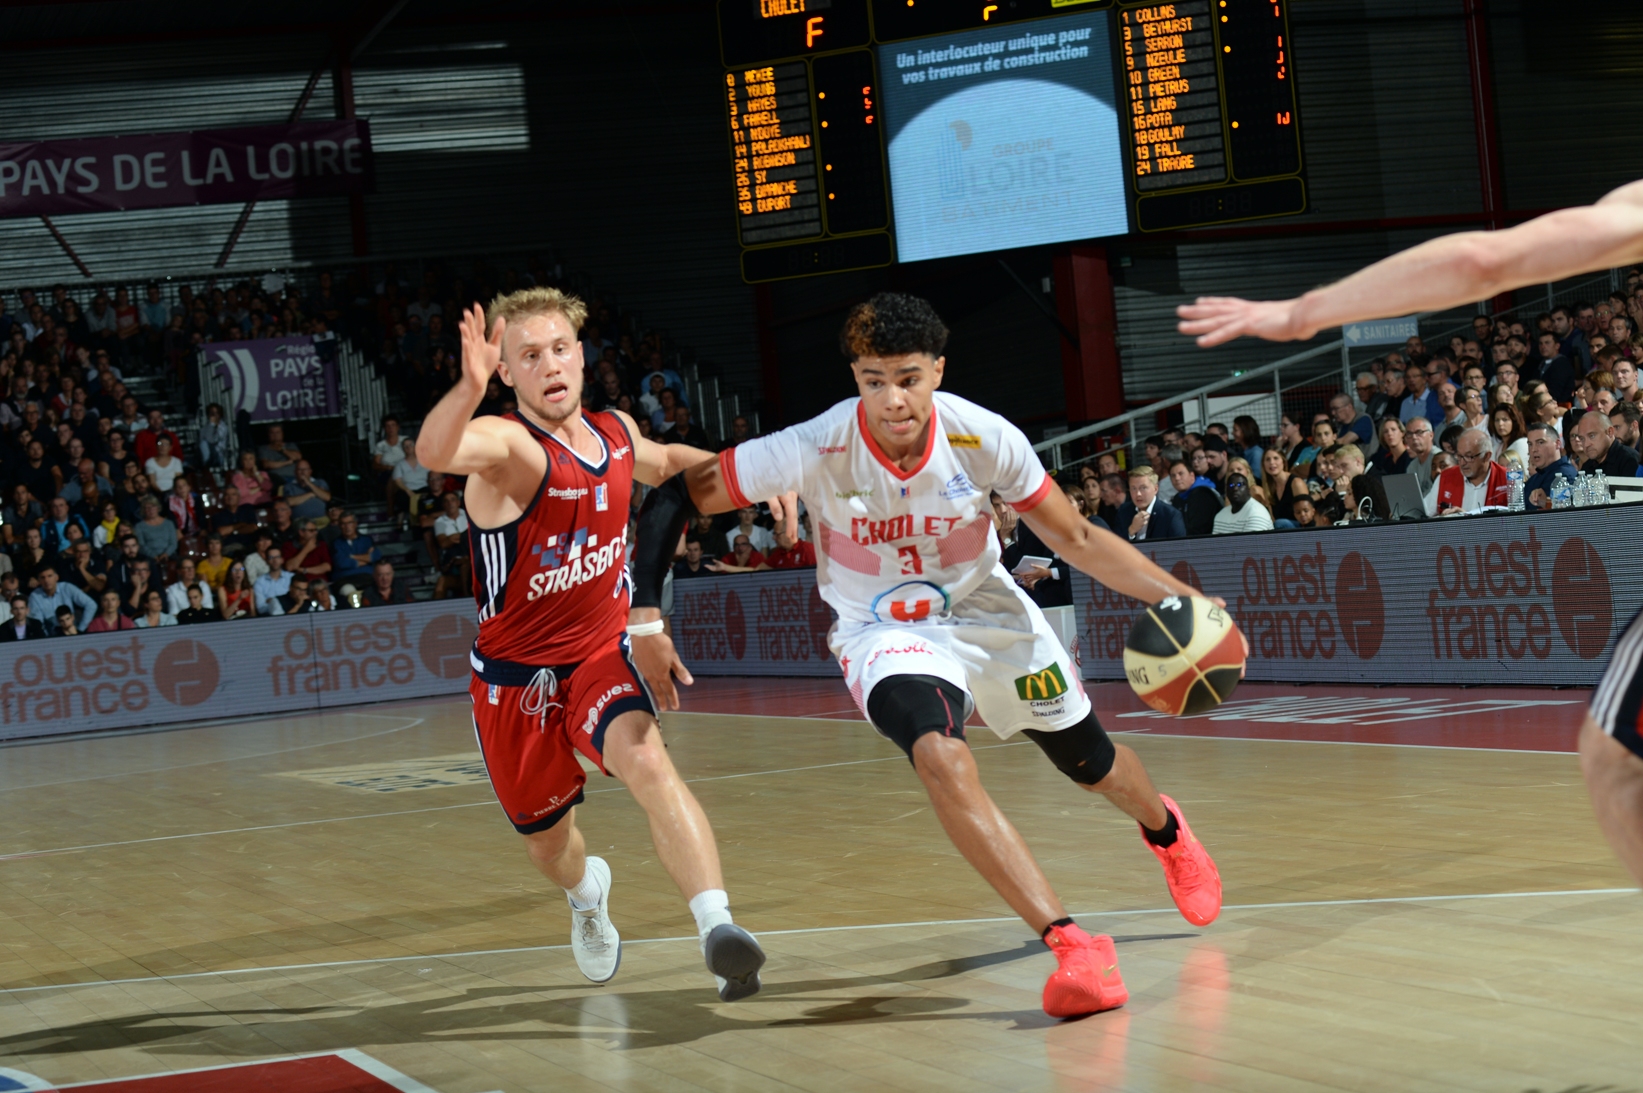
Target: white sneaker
(593, 940)
(734, 958)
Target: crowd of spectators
(1553, 398)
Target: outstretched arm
(1442, 273)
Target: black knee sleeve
(904, 708)
(1083, 752)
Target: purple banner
(277, 379)
(204, 167)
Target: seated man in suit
(21, 627)
(1144, 516)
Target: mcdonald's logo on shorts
(1044, 684)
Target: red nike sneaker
(1087, 980)
(1194, 882)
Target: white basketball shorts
(995, 646)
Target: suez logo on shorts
(569, 560)
(597, 710)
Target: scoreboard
(864, 132)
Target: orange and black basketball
(1184, 656)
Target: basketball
(1184, 656)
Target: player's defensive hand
(480, 355)
(784, 510)
(659, 663)
(1217, 319)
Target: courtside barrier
(1510, 598)
(247, 667)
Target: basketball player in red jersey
(547, 503)
(1458, 269)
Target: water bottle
(1582, 490)
(1562, 492)
(1603, 497)
(1514, 487)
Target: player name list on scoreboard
(1175, 107)
(774, 146)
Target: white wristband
(645, 629)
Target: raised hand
(1213, 320)
(480, 355)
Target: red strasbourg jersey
(552, 585)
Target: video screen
(1002, 138)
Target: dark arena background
(265, 853)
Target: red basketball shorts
(532, 721)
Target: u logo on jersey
(914, 601)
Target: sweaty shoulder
(993, 452)
(782, 461)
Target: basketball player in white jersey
(1455, 270)
(930, 625)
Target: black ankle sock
(1165, 836)
(1058, 922)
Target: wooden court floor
(1398, 917)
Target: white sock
(711, 908)
(585, 896)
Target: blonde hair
(1144, 472)
(527, 302)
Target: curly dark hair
(891, 324)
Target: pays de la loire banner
(276, 379)
(202, 167)
(247, 667)
(1531, 598)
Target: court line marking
(412, 723)
(1208, 736)
(812, 930)
(372, 1066)
(491, 801)
(708, 778)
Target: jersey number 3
(910, 560)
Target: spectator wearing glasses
(1368, 387)
(1351, 427)
(1418, 439)
(1477, 482)
(1547, 464)
(1392, 387)
(1599, 448)
(1241, 512)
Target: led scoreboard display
(864, 132)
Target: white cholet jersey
(895, 545)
